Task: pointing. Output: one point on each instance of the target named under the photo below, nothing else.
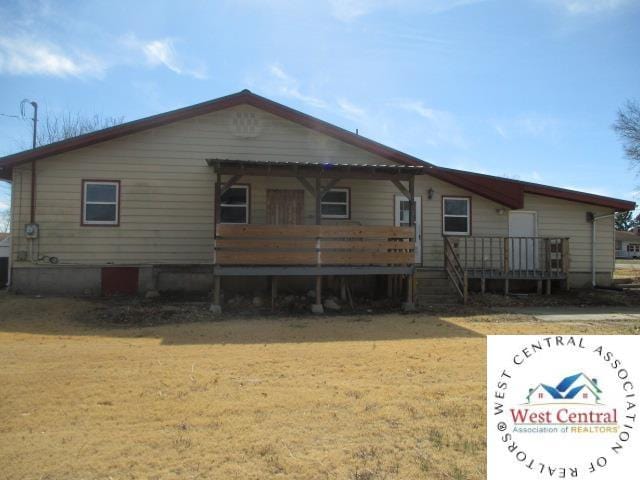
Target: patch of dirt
(177, 309)
(140, 314)
(575, 298)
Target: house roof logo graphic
(577, 388)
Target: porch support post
(318, 201)
(216, 308)
(412, 206)
(317, 306)
(409, 305)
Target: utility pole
(33, 162)
(34, 119)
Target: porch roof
(314, 169)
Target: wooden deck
(314, 246)
(505, 258)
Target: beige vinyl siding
(484, 217)
(166, 209)
(561, 218)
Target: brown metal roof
(389, 167)
(504, 191)
(627, 236)
(513, 190)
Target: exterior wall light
(500, 211)
(430, 193)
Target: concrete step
(436, 282)
(448, 290)
(426, 300)
(424, 273)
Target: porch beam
(229, 183)
(276, 171)
(402, 188)
(328, 187)
(307, 186)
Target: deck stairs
(433, 288)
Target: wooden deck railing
(313, 245)
(510, 257)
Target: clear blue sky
(522, 88)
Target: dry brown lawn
(360, 397)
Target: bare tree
(627, 126)
(55, 128)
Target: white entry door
(402, 220)
(523, 255)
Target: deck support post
(539, 287)
(548, 286)
(215, 307)
(409, 305)
(506, 286)
(274, 291)
(343, 289)
(317, 306)
(483, 285)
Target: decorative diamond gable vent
(245, 123)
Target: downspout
(32, 217)
(33, 163)
(593, 245)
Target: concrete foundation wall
(77, 280)
(87, 281)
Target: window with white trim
(456, 216)
(101, 202)
(335, 203)
(234, 205)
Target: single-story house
(242, 186)
(627, 244)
